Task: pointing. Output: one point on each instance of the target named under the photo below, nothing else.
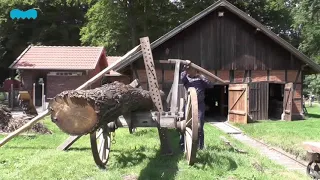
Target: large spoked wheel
(192, 125)
(313, 170)
(100, 145)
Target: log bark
(78, 112)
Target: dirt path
(276, 155)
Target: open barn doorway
(276, 92)
(217, 103)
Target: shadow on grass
(313, 115)
(161, 166)
(78, 149)
(130, 157)
(208, 157)
(30, 147)
(140, 132)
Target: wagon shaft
(78, 112)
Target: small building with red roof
(59, 67)
(113, 75)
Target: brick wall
(224, 75)
(238, 76)
(57, 84)
(257, 76)
(277, 76)
(291, 76)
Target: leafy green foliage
(118, 26)
(307, 23)
(312, 84)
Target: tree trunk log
(78, 112)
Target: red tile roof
(59, 57)
(111, 60)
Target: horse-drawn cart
(179, 111)
(168, 114)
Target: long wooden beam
(198, 68)
(116, 64)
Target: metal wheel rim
(192, 126)
(100, 145)
(310, 170)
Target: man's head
(191, 72)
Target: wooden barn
(263, 71)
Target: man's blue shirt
(200, 83)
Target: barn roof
(242, 15)
(59, 57)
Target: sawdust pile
(9, 124)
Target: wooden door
(258, 101)
(287, 102)
(238, 103)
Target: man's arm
(183, 77)
(206, 82)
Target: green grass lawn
(136, 155)
(289, 136)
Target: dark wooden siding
(226, 43)
(258, 101)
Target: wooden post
(12, 96)
(42, 96)
(34, 94)
(44, 103)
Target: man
(191, 78)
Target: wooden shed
(59, 67)
(263, 71)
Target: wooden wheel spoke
(189, 107)
(189, 121)
(100, 147)
(99, 133)
(104, 151)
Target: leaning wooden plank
(68, 143)
(25, 127)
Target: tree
(117, 25)
(307, 23)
